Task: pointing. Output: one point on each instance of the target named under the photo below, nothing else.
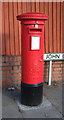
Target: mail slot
(35, 30)
(32, 45)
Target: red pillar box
(32, 57)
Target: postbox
(32, 46)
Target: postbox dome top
(32, 15)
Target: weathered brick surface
(11, 70)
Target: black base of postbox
(31, 95)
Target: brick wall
(11, 70)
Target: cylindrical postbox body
(32, 46)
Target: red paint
(32, 60)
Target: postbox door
(33, 55)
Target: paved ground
(50, 108)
